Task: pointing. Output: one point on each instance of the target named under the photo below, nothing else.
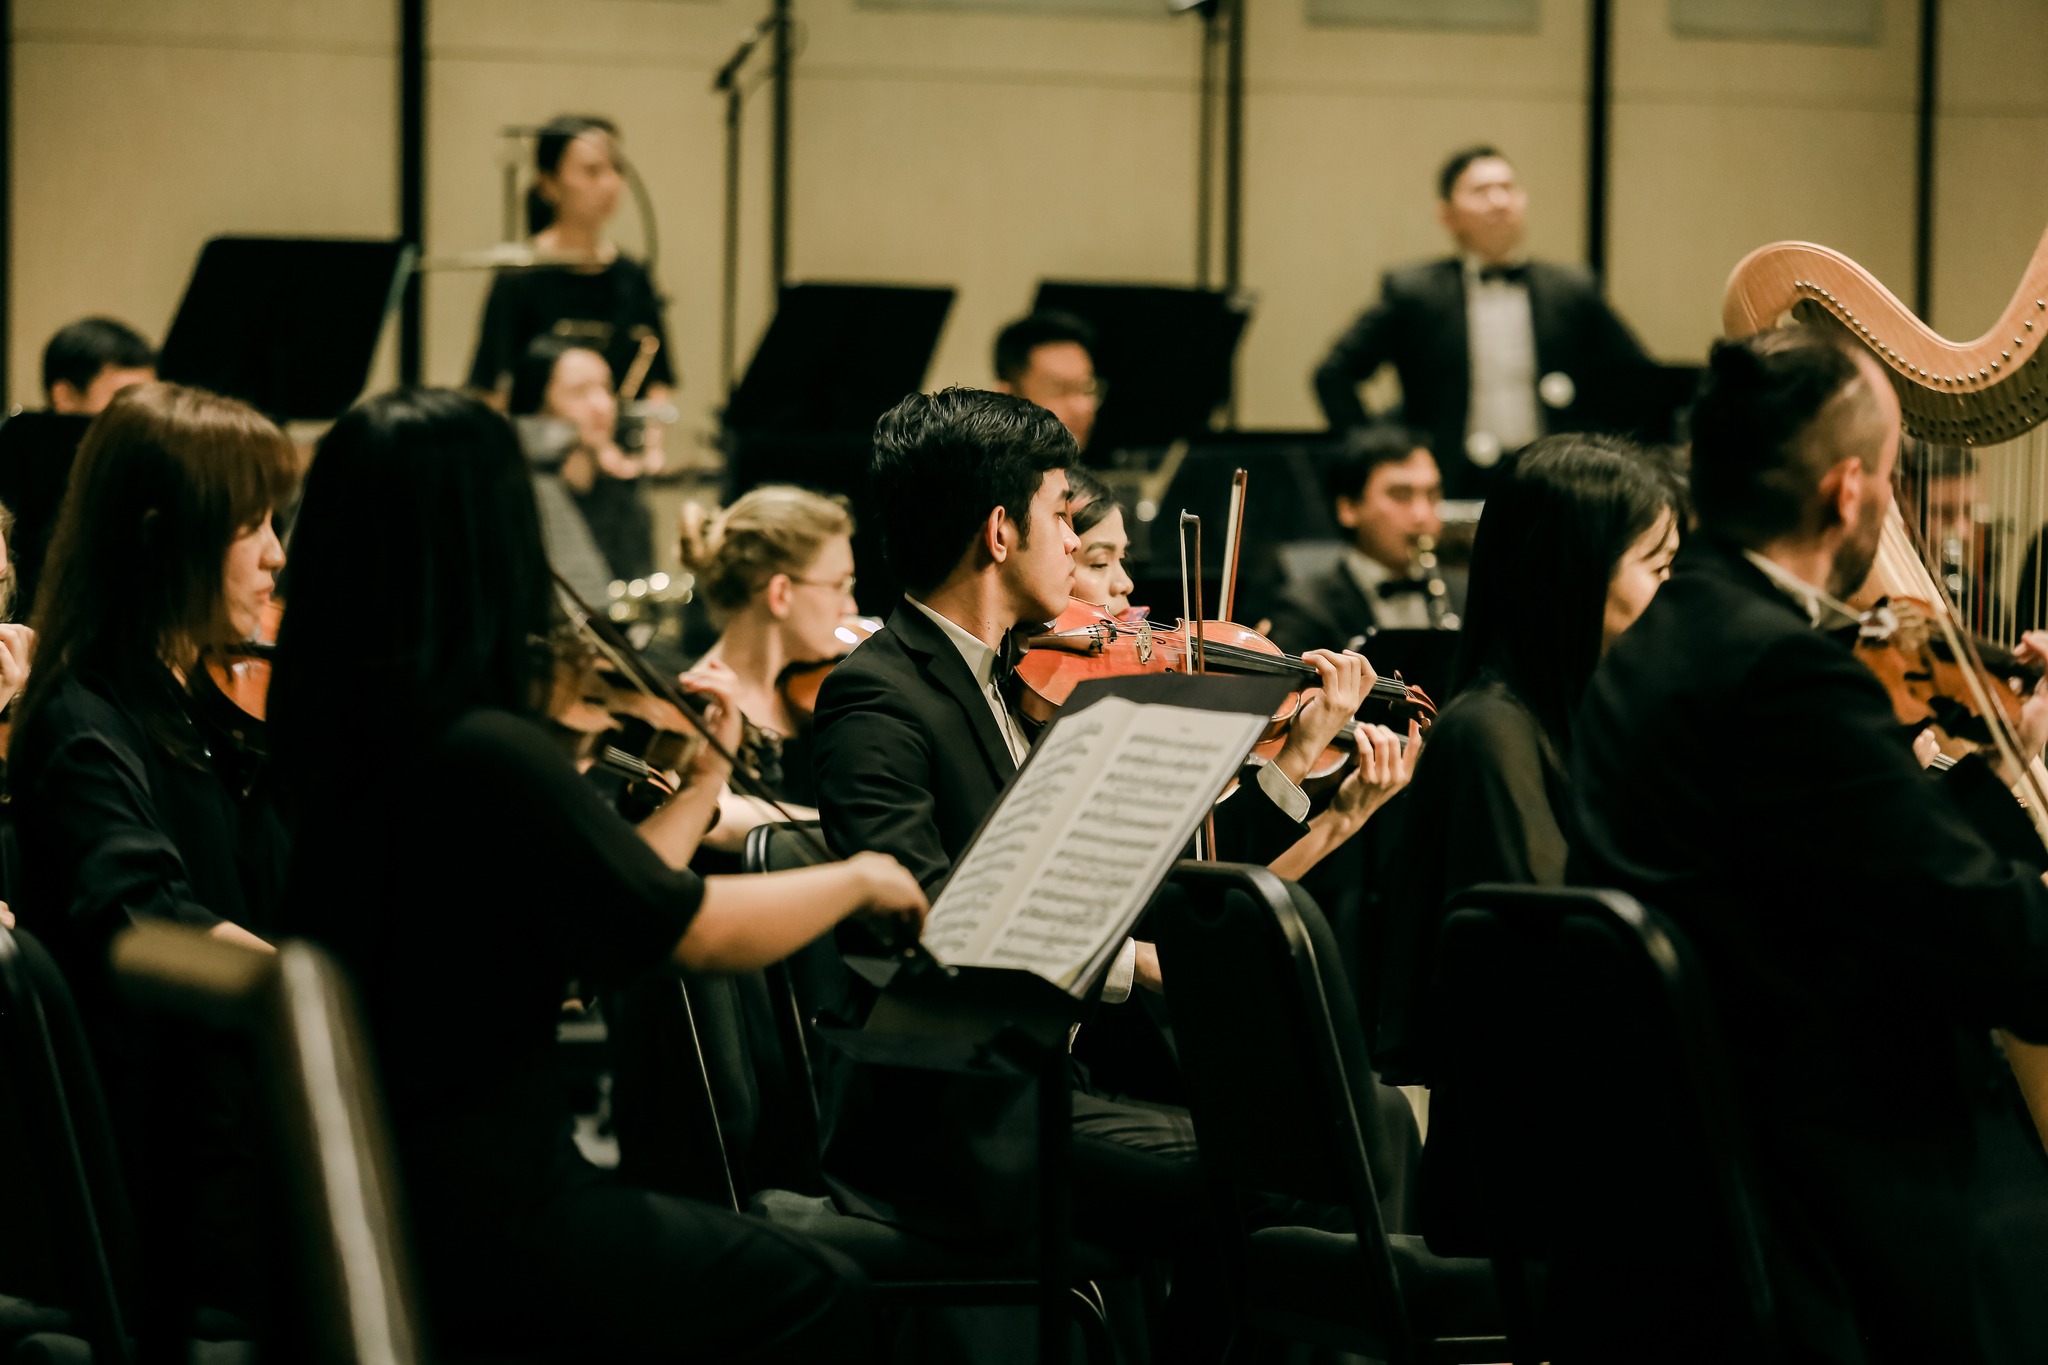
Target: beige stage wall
(988, 152)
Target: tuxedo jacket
(909, 758)
(1418, 326)
(1328, 610)
(1862, 928)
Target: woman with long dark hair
(1570, 549)
(565, 381)
(452, 857)
(131, 804)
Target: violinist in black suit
(1493, 349)
(918, 730)
(1861, 925)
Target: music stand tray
(289, 325)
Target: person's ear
(997, 533)
(1842, 493)
(65, 397)
(1443, 215)
(1347, 513)
(777, 594)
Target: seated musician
(598, 295)
(777, 569)
(1383, 490)
(917, 732)
(17, 641)
(1100, 578)
(453, 859)
(1862, 925)
(132, 805)
(1049, 358)
(91, 360)
(568, 381)
(1493, 804)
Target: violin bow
(1233, 547)
(613, 644)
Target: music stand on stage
(289, 325)
(835, 358)
(1165, 353)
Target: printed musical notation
(1087, 831)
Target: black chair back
(68, 1182)
(353, 1284)
(1586, 1116)
(1285, 1102)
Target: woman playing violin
(463, 905)
(1492, 802)
(776, 568)
(127, 808)
(1098, 520)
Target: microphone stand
(727, 83)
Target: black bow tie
(1507, 274)
(1395, 587)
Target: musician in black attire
(1492, 802)
(1862, 925)
(1493, 349)
(566, 380)
(606, 300)
(1383, 488)
(453, 859)
(918, 730)
(133, 804)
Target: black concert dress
(605, 308)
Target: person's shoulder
(490, 739)
(1485, 716)
(876, 671)
(1420, 277)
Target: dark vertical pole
(1923, 159)
(778, 156)
(1205, 153)
(1233, 148)
(6, 196)
(412, 173)
(1599, 113)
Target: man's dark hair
(1015, 343)
(1365, 450)
(944, 461)
(1547, 547)
(1455, 164)
(1757, 462)
(79, 352)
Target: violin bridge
(1144, 642)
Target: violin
(799, 683)
(1927, 682)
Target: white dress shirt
(1402, 611)
(1501, 342)
(981, 666)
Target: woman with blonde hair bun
(776, 569)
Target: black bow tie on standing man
(1506, 274)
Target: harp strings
(1980, 515)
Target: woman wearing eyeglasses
(776, 568)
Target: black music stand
(835, 358)
(288, 325)
(1166, 354)
(37, 450)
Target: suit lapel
(1457, 342)
(939, 660)
(1546, 318)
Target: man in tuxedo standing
(1493, 349)
(1861, 924)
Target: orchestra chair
(67, 1208)
(1288, 1116)
(745, 1045)
(1586, 1117)
(352, 1285)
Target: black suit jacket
(909, 758)
(1744, 773)
(1418, 325)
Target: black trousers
(599, 1270)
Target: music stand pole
(728, 337)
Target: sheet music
(1088, 830)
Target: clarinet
(1441, 617)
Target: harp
(1973, 476)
